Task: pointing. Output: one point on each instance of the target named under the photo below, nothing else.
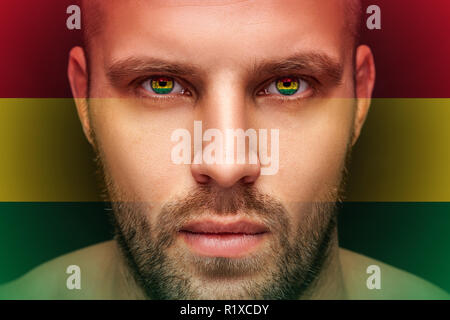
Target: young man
(190, 225)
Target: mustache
(207, 200)
(239, 198)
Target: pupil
(287, 84)
(163, 83)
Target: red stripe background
(412, 50)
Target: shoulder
(49, 280)
(394, 283)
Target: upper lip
(218, 226)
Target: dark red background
(412, 50)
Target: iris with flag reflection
(287, 86)
(162, 85)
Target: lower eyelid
(145, 94)
(285, 98)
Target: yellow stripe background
(403, 153)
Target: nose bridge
(224, 106)
(224, 114)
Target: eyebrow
(133, 67)
(317, 64)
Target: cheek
(136, 146)
(313, 146)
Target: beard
(287, 267)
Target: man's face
(223, 230)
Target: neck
(329, 285)
(125, 286)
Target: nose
(225, 175)
(225, 123)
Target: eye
(162, 85)
(287, 86)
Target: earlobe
(78, 78)
(364, 83)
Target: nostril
(250, 179)
(225, 175)
(202, 178)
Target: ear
(78, 78)
(365, 81)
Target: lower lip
(227, 245)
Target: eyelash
(312, 83)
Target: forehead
(211, 32)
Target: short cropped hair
(355, 14)
(92, 17)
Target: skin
(104, 277)
(316, 129)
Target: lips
(225, 237)
(211, 226)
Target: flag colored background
(398, 208)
